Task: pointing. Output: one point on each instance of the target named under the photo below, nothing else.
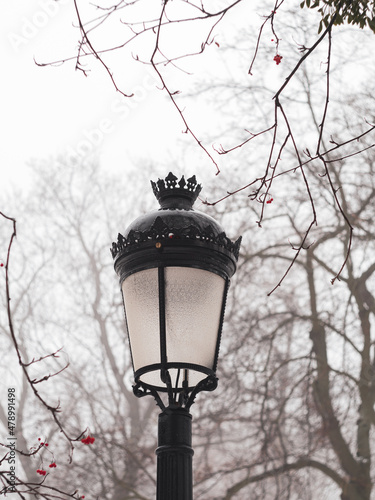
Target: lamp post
(174, 266)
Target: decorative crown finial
(170, 187)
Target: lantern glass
(193, 309)
(141, 300)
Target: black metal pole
(174, 455)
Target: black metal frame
(184, 399)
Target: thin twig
(323, 160)
(172, 94)
(86, 40)
(53, 409)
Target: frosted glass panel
(193, 301)
(193, 304)
(141, 298)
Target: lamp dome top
(176, 228)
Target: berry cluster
(52, 465)
(88, 440)
(42, 444)
(277, 59)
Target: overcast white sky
(56, 110)
(47, 111)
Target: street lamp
(174, 265)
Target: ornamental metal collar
(159, 230)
